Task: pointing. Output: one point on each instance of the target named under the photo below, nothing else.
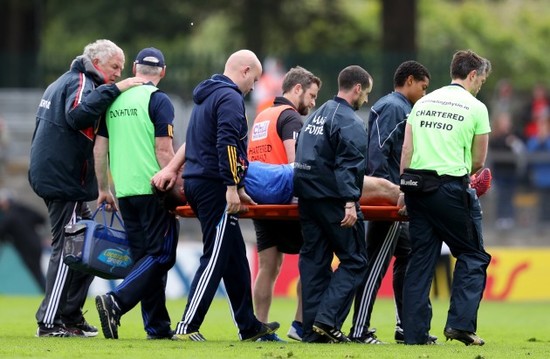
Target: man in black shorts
(272, 140)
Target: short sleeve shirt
(444, 124)
(133, 122)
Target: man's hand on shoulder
(129, 83)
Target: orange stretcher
(290, 212)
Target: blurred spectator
(538, 106)
(20, 225)
(540, 168)
(505, 146)
(4, 142)
(269, 85)
(505, 100)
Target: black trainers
(333, 334)
(82, 329)
(400, 337)
(109, 315)
(266, 328)
(168, 335)
(468, 338)
(368, 338)
(55, 331)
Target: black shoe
(55, 331)
(321, 339)
(368, 338)
(266, 328)
(333, 334)
(400, 337)
(430, 341)
(82, 329)
(468, 338)
(109, 315)
(168, 335)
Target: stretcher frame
(290, 212)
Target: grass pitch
(510, 330)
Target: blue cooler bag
(98, 248)
(267, 183)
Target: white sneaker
(295, 332)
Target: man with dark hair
(272, 140)
(446, 140)
(134, 142)
(61, 172)
(328, 178)
(385, 239)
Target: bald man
(215, 164)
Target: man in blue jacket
(385, 239)
(215, 165)
(328, 178)
(62, 173)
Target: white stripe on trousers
(59, 284)
(55, 297)
(205, 276)
(370, 283)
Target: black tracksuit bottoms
(66, 289)
(153, 233)
(224, 258)
(384, 240)
(327, 295)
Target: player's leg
(269, 262)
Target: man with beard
(329, 173)
(273, 140)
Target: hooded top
(61, 161)
(217, 134)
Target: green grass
(510, 330)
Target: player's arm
(230, 117)
(291, 124)
(162, 115)
(408, 148)
(480, 145)
(164, 150)
(290, 149)
(101, 165)
(167, 176)
(230, 122)
(379, 192)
